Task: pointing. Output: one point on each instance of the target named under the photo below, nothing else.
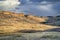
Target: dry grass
(15, 22)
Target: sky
(34, 7)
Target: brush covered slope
(14, 22)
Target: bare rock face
(13, 22)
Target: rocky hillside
(14, 22)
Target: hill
(14, 22)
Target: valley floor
(32, 36)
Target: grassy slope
(12, 22)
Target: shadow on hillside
(53, 30)
(35, 31)
(48, 23)
(29, 31)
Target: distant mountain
(54, 20)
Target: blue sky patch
(36, 7)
